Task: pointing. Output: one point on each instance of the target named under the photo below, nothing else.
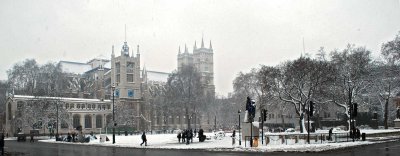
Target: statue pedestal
(397, 124)
(246, 130)
(374, 124)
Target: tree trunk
(187, 118)
(283, 121)
(386, 113)
(302, 125)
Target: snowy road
(51, 149)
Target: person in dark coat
(32, 138)
(184, 136)
(191, 136)
(73, 136)
(144, 139)
(233, 137)
(69, 137)
(179, 137)
(2, 144)
(188, 136)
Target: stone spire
(210, 45)
(186, 49)
(202, 42)
(137, 50)
(195, 46)
(144, 73)
(112, 50)
(179, 51)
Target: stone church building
(87, 94)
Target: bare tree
(386, 78)
(352, 77)
(22, 77)
(184, 90)
(300, 82)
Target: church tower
(203, 59)
(125, 76)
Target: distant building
(92, 114)
(86, 93)
(203, 59)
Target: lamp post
(240, 137)
(351, 129)
(113, 89)
(57, 121)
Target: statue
(251, 109)
(398, 113)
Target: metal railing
(316, 138)
(293, 139)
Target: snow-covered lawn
(170, 141)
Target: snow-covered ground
(170, 141)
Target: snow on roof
(157, 76)
(59, 98)
(107, 65)
(102, 57)
(74, 67)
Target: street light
(113, 89)
(352, 128)
(240, 138)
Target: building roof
(59, 98)
(74, 67)
(107, 65)
(157, 76)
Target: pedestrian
(179, 137)
(144, 139)
(233, 137)
(191, 136)
(73, 136)
(69, 137)
(184, 136)
(2, 144)
(32, 138)
(188, 136)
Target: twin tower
(203, 59)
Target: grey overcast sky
(244, 33)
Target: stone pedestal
(397, 124)
(246, 130)
(374, 124)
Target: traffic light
(355, 105)
(265, 112)
(311, 108)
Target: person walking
(188, 137)
(233, 137)
(2, 144)
(73, 136)
(184, 136)
(191, 135)
(179, 137)
(144, 139)
(32, 138)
